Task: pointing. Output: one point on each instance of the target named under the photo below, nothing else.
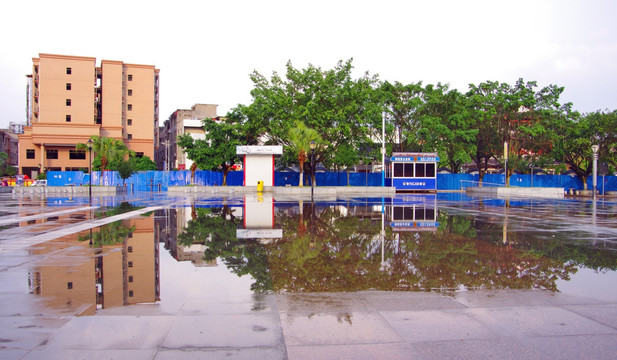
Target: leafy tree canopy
(218, 149)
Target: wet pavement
(152, 276)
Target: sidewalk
(367, 325)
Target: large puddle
(236, 250)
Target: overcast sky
(207, 49)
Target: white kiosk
(259, 163)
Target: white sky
(207, 49)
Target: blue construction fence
(160, 180)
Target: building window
(68, 118)
(69, 71)
(68, 102)
(130, 264)
(68, 86)
(139, 154)
(130, 92)
(130, 235)
(129, 122)
(129, 107)
(77, 154)
(29, 153)
(130, 77)
(129, 249)
(129, 136)
(51, 154)
(130, 293)
(69, 285)
(130, 278)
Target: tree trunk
(301, 182)
(225, 172)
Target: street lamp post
(312, 145)
(505, 163)
(89, 144)
(166, 143)
(595, 149)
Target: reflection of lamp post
(312, 145)
(89, 144)
(531, 173)
(595, 149)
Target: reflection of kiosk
(259, 163)
(259, 219)
(413, 213)
(412, 171)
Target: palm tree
(108, 149)
(193, 169)
(300, 138)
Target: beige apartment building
(182, 121)
(70, 99)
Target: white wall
(258, 168)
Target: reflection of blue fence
(160, 180)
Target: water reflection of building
(166, 230)
(169, 224)
(98, 276)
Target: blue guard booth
(412, 171)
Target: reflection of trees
(346, 256)
(337, 252)
(565, 248)
(216, 228)
(111, 234)
(325, 250)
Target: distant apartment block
(9, 144)
(169, 155)
(71, 99)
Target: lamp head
(595, 148)
(312, 145)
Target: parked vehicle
(39, 183)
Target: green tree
(402, 104)
(143, 163)
(605, 137)
(125, 170)
(300, 138)
(218, 149)
(447, 126)
(341, 109)
(4, 168)
(490, 105)
(346, 156)
(518, 115)
(573, 136)
(109, 150)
